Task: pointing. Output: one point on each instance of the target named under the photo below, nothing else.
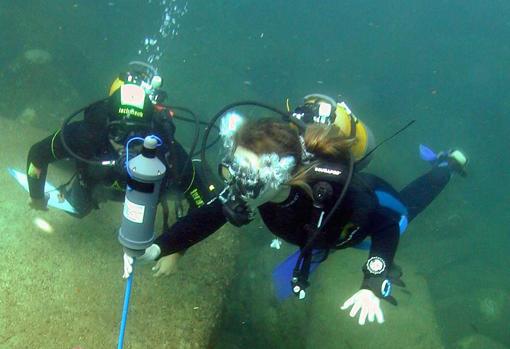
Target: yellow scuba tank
(116, 84)
(323, 109)
(365, 140)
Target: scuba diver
(301, 179)
(101, 145)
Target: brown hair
(270, 135)
(327, 142)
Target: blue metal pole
(127, 296)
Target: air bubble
(171, 11)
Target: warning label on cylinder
(133, 212)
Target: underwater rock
(36, 91)
(37, 56)
(412, 324)
(478, 341)
(27, 116)
(484, 311)
(491, 304)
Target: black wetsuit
(89, 139)
(359, 216)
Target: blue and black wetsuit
(370, 209)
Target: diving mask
(121, 130)
(251, 180)
(250, 185)
(321, 113)
(318, 108)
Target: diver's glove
(382, 284)
(368, 304)
(151, 253)
(395, 276)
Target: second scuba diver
(304, 185)
(99, 143)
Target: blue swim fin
(427, 154)
(282, 274)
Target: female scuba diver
(306, 190)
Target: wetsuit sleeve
(84, 137)
(381, 226)
(193, 228)
(40, 155)
(80, 137)
(188, 180)
(199, 190)
(190, 183)
(380, 260)
(184, 176)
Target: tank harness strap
(322, 191)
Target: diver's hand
(39, 204)
(368, 303)
(151, 253)
(166, 265)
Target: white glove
(369, 304)
(151, 253)
(128, 266)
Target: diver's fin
(457, 161)
(427, 154)
(55, 199)
(453, 158)
(282, 274)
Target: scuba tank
(322, 109)
(365, 140)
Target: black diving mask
(120, 130)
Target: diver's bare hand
(166, 265)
